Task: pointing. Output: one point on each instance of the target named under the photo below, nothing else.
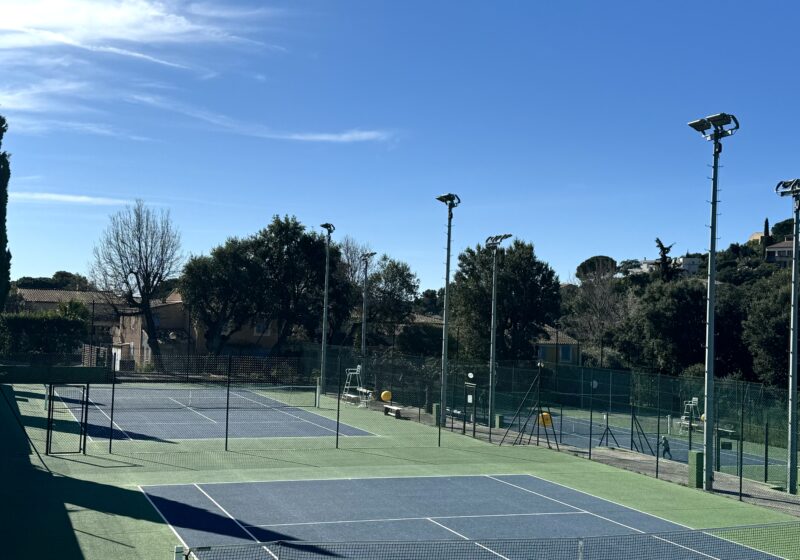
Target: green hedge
(46, 333)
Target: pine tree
(766, 239)
(5, 254)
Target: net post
(228, 401)
(49, 435)
(85, 423)
(111, 416)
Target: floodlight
(494, 241)
(788, 188)
(328, 227)
(452, 200)
(367, 256)
(719, 120)
(700, 125)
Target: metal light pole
(493, 243)
(792, 188)
(717, 125)
(364, 259)
(330, 229)
(451, 201)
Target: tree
(73, 310)
(351, 252)
(393, 289)
(596, 306)
(429, 303)
(218, 290)
(5, 254)
(528, 297)
(766, 330)
(667, 268)
(138, 251)
(595, 268)
(782, 230)
(292, 278)
(61, 280)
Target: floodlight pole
(717, 124)
(365, 259)
(493, 243)
(451, 200)
(330, 229)
(792, 188)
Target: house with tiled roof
(556, 346)
(780, 253)
(102, 316)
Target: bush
(43, 333)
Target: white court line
(467, 538)
(161, 515)
(242, 527)
(605, 518)
(292, 415)
(427, 518)
(192, 409)
(75, 418)
(109, 419)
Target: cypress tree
(5, 254)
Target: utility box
(695, 469)
(437, 412)
(498, 421)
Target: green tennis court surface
(90, 506)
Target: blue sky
(563, 123)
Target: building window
(542, 352)
(260, 328)
(566, 353)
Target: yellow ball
(702, 417)
(386, 396)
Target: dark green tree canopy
(596, 267)
(61, 280)
(528, 297)
(217, 290)
(782, 230)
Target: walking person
(665, 452)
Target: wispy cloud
(24, 125)
(257, 130)
(58, 198)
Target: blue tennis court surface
(411, 509)
(175, 414)
(575, 432)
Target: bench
(351, 397)
(391, 410)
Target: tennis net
(167, 397)
(760, 542)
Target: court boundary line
(641, 532)
(242, 527)
(161, 515)
(100, 410)
(190, 407)
(468, 539)
(91, 439)
(422, 518)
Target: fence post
(658, 423)
(111, 417)
(766, 451)
(228, 401)
(591, 415)
(338, 398)
(741, 443)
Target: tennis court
(418, 509)
(574, 431)
(167, 413)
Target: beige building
(178, 333)
(102, 316)
(555, 346)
